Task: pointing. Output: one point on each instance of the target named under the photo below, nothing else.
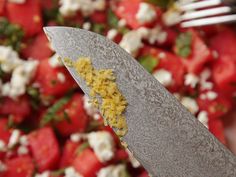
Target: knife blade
(163, 135)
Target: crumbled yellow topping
(67, 62)
(102, 83)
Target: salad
(48, 128)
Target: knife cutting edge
(166, 138)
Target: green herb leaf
(161, 3)
(51, 112)
(58, 172)
(183, 44)
(112, 19)
(148, 62)
(34, 97)
(82, 147)
(10, 34)
(98, 28)
(2, 73)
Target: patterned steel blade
(166, 138)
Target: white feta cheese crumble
(122, 23)
(134, 162)
(24, 140)
(191, 80)
(215, 54)
(171, 17)
(54, 61)
(87, 26)
(210, 95)
(61, 77)
(71, 172)
(21, 76)
(17, 1)
(14, 138)
(164, 77)
(3, 167)
(87, 7)
(22, 150)
(205, 74)
(44, 174)
(103, 145)
(112, 33)
(203, 118)
(204, 84)
(145, 13)
(89, 108)
(9, 59)
(190, 104)
(162, 55)
(77, 137)
(157, 35)
(132, 42)
(2, 146)
(96, 116)
(113, 171)
(69, 7)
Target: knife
(162, 134)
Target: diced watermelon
(224, 43)
(77, 117)
(22, 166)
(169, 62)
(2, 7)
(27, 15)
(47, 77)
(87, 163)
(217, 129)
(200, 54)
(127, 9)
(45, 148)
(38, 48)
(18, 109)
(224, 74)
(68, 154)
(215, 108)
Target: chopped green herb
(98, 28)
(123, 30)
(82, 147)
(183, 44)
(161, 3)
(53, 82)
(10, 34)
(94, 125)
(58, 172)
(51, 112)
(112, 19)
(2, 73)
(10, 122)
(148, 62)
(34, 97)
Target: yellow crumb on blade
(102, 83)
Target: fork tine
(201, 4)
(205, 13)
(209, 21)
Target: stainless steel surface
(203, 16)
(201, 4)
(209, 21)
(163, 135)
(206, 13)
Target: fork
(208, 12)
